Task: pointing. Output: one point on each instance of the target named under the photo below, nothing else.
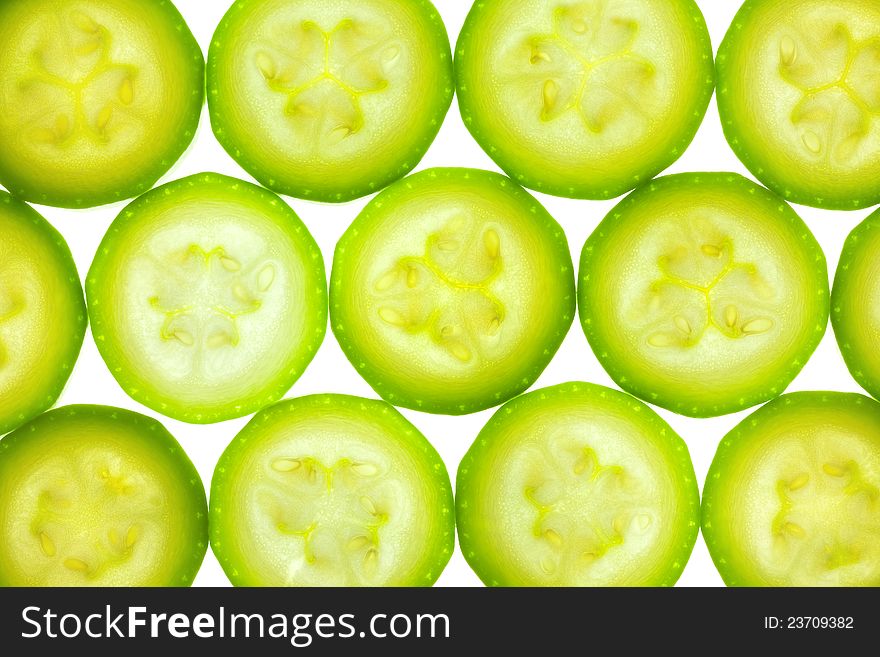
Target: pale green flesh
(459, 279)
(92, 499)
(329, 100)
(331, 493)
(800, 100)
(42, 313)
(584, 99)
(107, 95)
(855, 304)
(703, 293)
(793, 497)
(569, 489)
(217, 303)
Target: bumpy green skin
(163, 160)
(225, 487)
(191, 521)
(443, 401)
(629, 378)
(70, 329)
(747, 146)
(99, 274)
(849, 306)
(526, 173)
(338, 190)
(733, 565)
(475, 530)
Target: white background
(91, 382)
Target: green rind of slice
(100, 98)
(42, 313)
(99, 496)
(577, 485)
(703, 293)
(587, 100)
(329, 101)
(798, 98)
(208, 298)
(855, 302)
(791, 498)
(452, 291)
(331, 490)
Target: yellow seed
(126, 92)
(787, 50)
(387, 281)
(731, 315)
(83, 22)
(461, 352)
(553, 538)
(645, 521)
(104, 117)
(62, 126)
(390, 54)
(661, 340)
(538, 55)
(368, 505)
(266, 278)
(184, 337)
(711, 250)
(131, 536)
(47, 545)
(217, 340)
(230, 264)
(393, 317)
(494, 326)
(113, 537)
(492, 243)
(447, 331)
(812, 142)
(551, 95)
(799, 482)
(357, 543)
(365, 469)
(286, 465)
(548, 566)
(412, 277)
(683, 325)
(88, 47)
(582, 465)
(579, 27)
(340, 132)
(619, 524)
(76, 565)
(832, 470)
(371, 560)
(756, 326)
(795, 529)
(266, 65)
(447, 245)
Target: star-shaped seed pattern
(587, 65)
(79, 84)
(837, 76)
(205, 293)
(446, 293)
(324, 74)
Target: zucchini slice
(99, 496)
(577, 485)
(793, 495)
(98, 98)
(584, 99)
(329, 101)
(451, 291)
(703, 293)
(799, 99)
(331, 490)
(208, 298)
(42, 313)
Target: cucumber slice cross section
(98, 98)
(42, 313)
(584, 99)
(331, 490)
(793, 495)
(799, 98)
(703, 293)
(208, 298)
(329, 100)
(451, 291)
(855, 302)
(98, 496)
(577, 485)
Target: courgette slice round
(584, 99)
(99, 496)
(329, 101)
(42, 313)
(98, 98)
(208, 298)
(451, 291)
(331, 490)
(577, 485)
(855, 302)
(793, 495)
(703, 293)
(799, 99)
